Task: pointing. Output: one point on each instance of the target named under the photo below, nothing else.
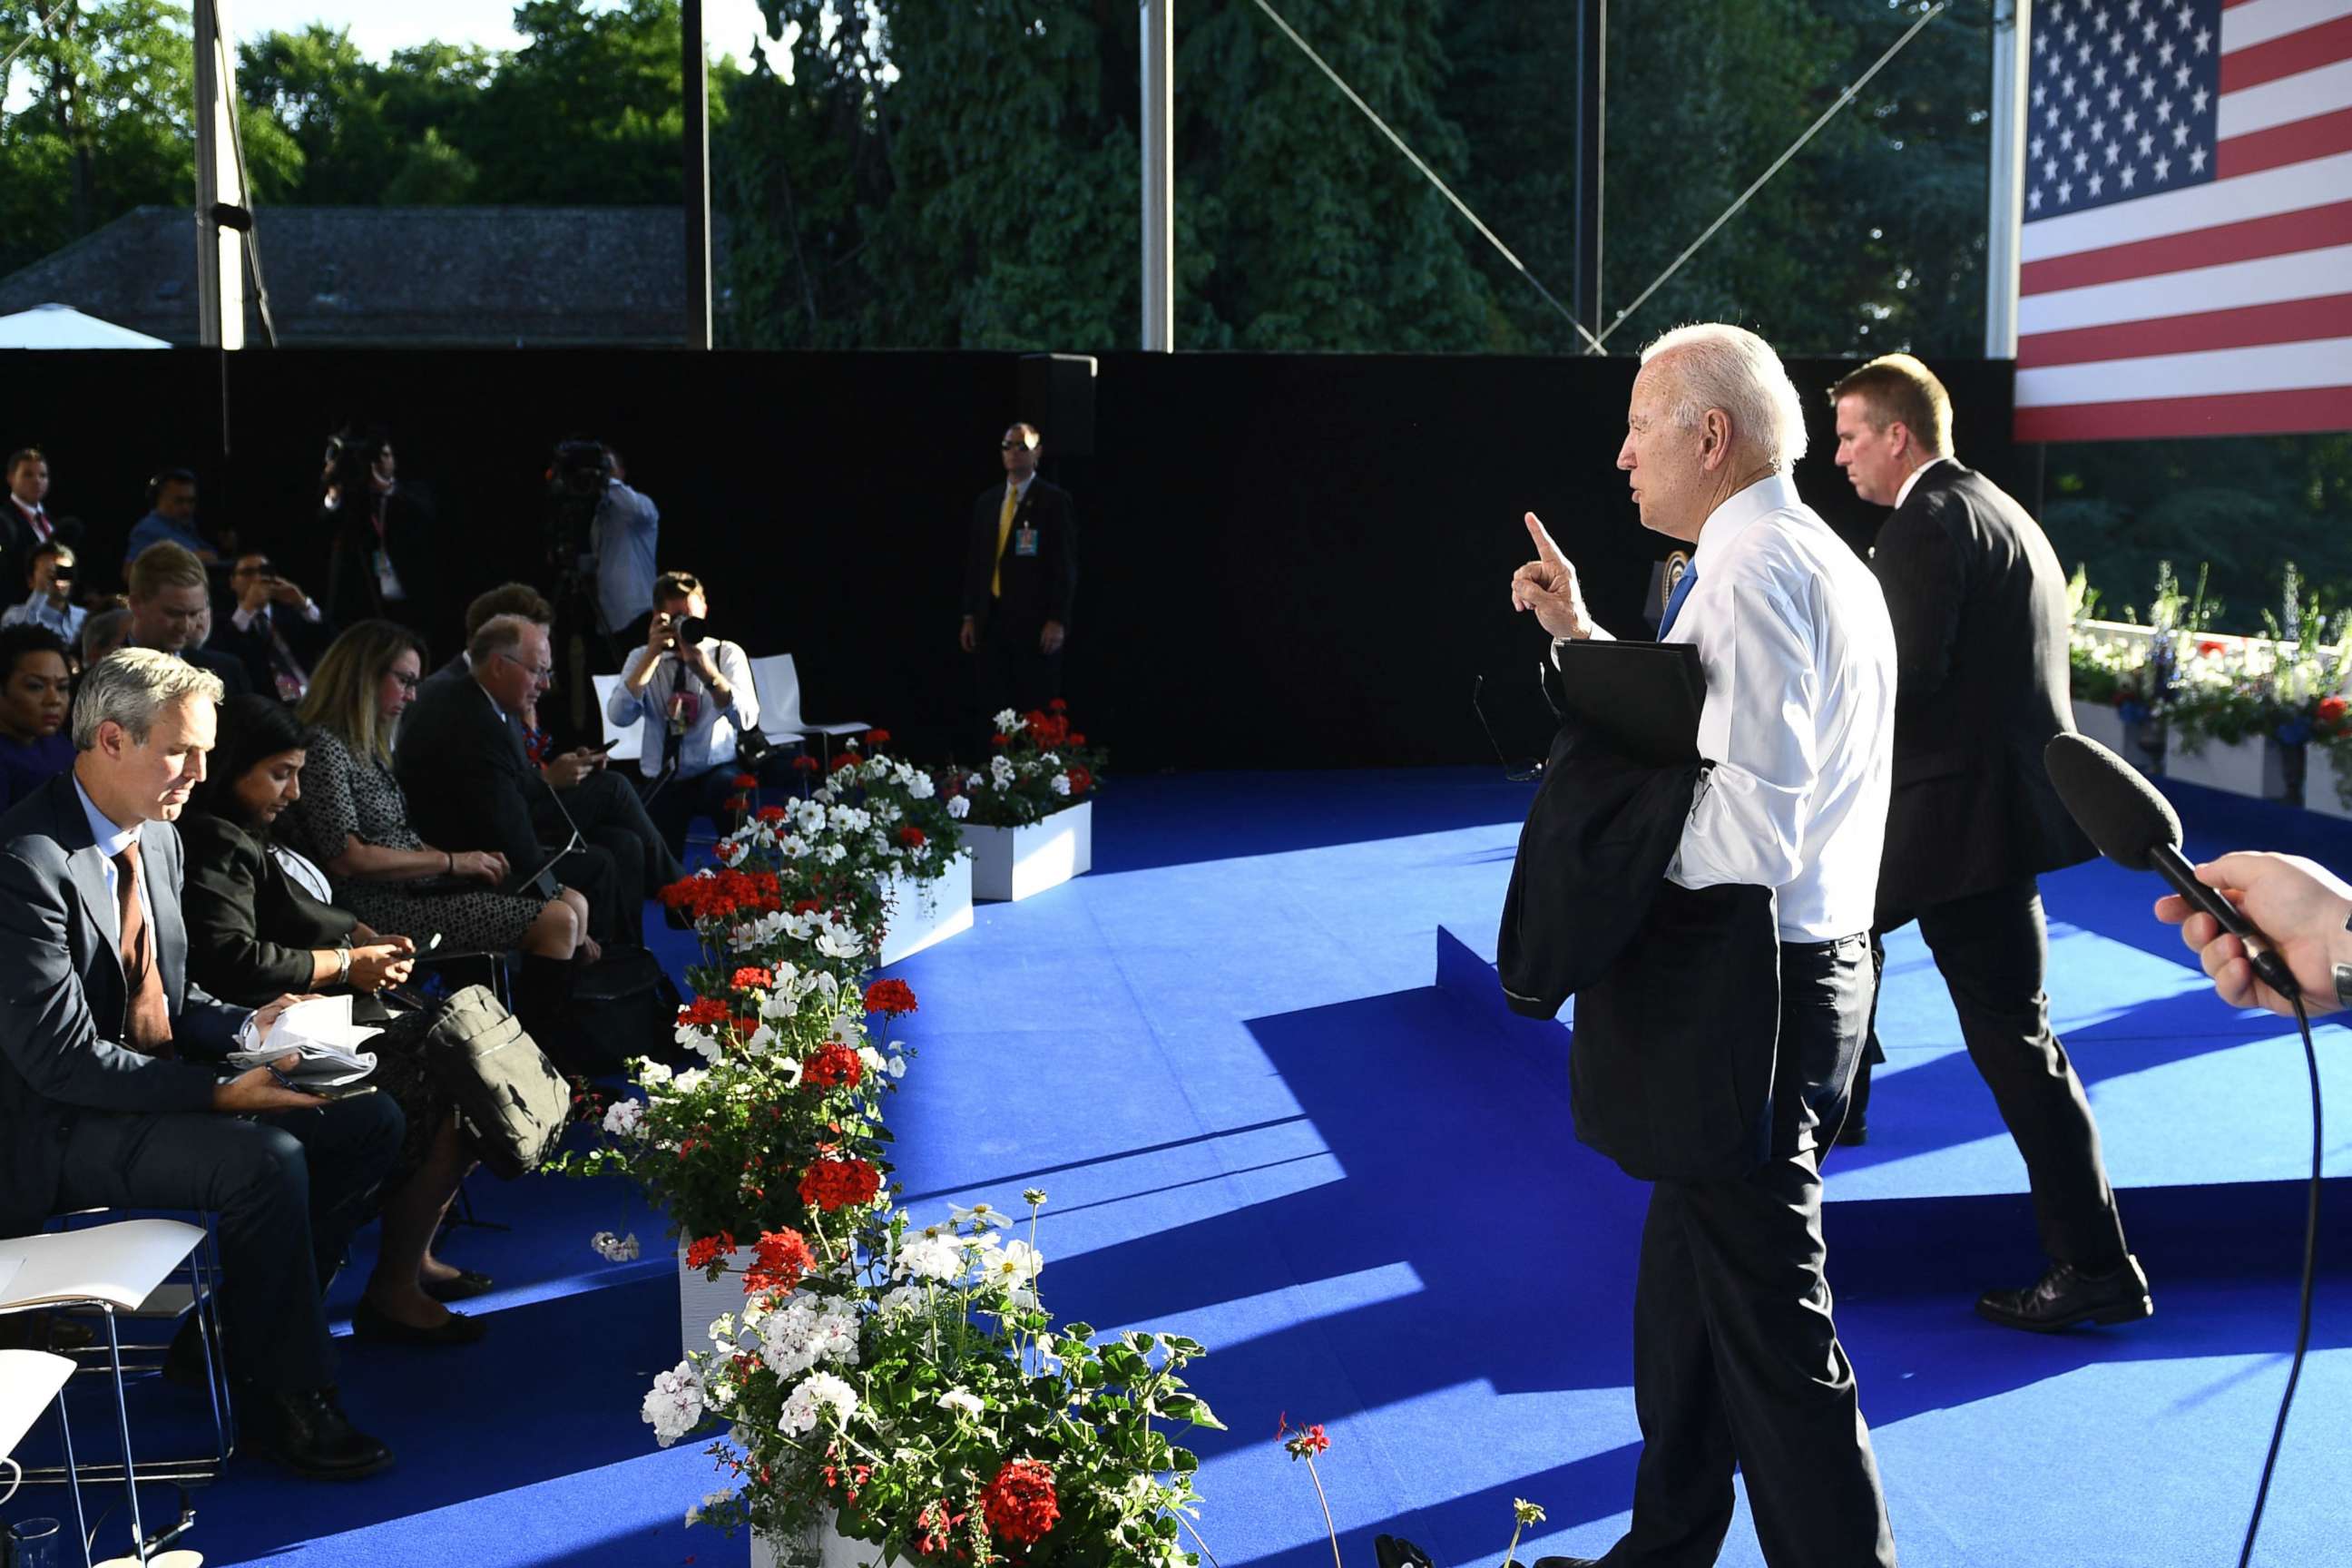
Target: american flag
(2187, 246)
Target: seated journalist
(35, 690)
(253, 931)
(113, 1090)
(352, 818)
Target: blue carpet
(1264, 1121)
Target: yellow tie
(1003, 531)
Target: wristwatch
(343, 962)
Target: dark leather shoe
(369, 1322)
(1568, 1562)
(308, 1434)
(464, 1288)
(2064, 1297)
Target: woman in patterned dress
(352, 819)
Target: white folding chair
(777, 682)
(115, 1270)
(628, 740)
(30, 1382)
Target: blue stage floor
(1268, 1117)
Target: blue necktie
(1675, 602)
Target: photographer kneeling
(693, 695)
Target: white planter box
(1012, 863)
(922, 913)
(2244, 767)
(2104, 723)
(702, 1302)
(2319, 775)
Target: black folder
(1643, 695)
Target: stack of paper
(324, 1041)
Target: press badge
(1025, 541)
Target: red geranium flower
(804, 762)
(878, 737)
(1058, 705)
(703, 1252)
(772, 814)
(751, 978)
(831, 1184)
(781, 1260)
(1019, 1504)
(2208, 646)
(912, 837)
(1082, 779)
(832, 1066)
(703, 1012)
(846, 760)
(2331, 709)
(892, 996)
(747, 780)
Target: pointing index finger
(1545, 548)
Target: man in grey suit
(112, 1090)
(1979, 604)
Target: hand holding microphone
(2301, 903)
(2135, 827)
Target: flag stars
(2164, 168)
(2164, 53)
(2131, 120)
(2131, 65)
(2128, 176)
(2147, 88)
(2185, 16)
(2147, 31)
(2098, 129)
(2081, 159)
(2197, 160)
(2099, 75)
(2114, 151)
(2034, 199)
(2147, 140)
(2181, 134)
(2049, 168)
(2065, 191)
(2066, 139)
(2180, 76)
(2115, 97)
(2036, 145)
(2164, 112)
(2203, 39)
(2098, 182)
(2082, 53)
(2041, 95)
(2199, 99)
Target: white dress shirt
(709, 739)
(1800, 714)
(1911, 479)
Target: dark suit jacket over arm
(468, 785)
(251, 929)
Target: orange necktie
(147, 1021)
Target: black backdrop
(1286, 560)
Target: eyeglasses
(408, 682)
(1012, 446)
(540, 673)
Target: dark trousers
(1011, 672)
(1993, 949)
(1736, 1357)
(289, 1187)
(675, 804)
(611, 815)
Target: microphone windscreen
(2109, 800)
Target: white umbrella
(63, 327)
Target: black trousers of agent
(289, 1187)
(674, 807)
(1993, 949)
(1736, 1357)
(1012, 672)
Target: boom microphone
(2135, 827)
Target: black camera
(688, 629)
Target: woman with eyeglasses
(352, 819)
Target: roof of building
(478, 276)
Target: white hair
(131, 687)
(1730, 368)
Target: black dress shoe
(369, 1322)
(308, 1434)
(464, 1288)
(1568, 1562)
(1396, 1552)
(2064, 1297)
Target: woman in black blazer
(256, 932)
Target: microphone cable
(2310, 1271)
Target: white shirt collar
(1021, 487)
(111, 838)
(1904, 493)
(1773, 492)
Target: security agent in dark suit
(111, 1086)
(469, 786)
(1737, 1360)
(1980, 624)
(1020, 574)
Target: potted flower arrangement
(920, 1403)
(780, 1120)
(2125, 677)
(1030, 813)
(874, 838)
(2247, 724)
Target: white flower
(901, 1299)
(674, 1405)
(957, 1399)
(625, 1117)
(803, 1407)
(699, 1041)
(1018, 1265)
(1009, 722)
(789, 1069)
(694, 1515)
(652, 1073)
(873, 1059)
(1049, 759)
(807, 1330)
(1059, 783)
(839, 942)
(973, 781)
(851, 819)
(763, 1040)
(999, 768)
(897, 1067)
(931, 1257)
(615, 1249)
(919, 786)
(980, 1216)
(833, 854)
(690, 1080)
(959, 808)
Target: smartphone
(603, 746)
